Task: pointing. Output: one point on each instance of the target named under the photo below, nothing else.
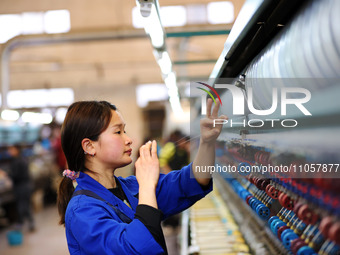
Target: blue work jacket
(93, 227)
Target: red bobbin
(281, 196)
(296, 244)
(334, 233)
(307, 215)
(325, 225)
(287, 202)
(272, 192)
(297, 206)
(264, 184)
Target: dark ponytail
(65, 192)
(85, 119)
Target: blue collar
(88, 183)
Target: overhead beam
(189, 62)
(197, 33)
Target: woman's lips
(129, 152)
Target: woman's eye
(118, 132)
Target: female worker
(105, 214)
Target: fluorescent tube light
(164, 61)
(152, 22)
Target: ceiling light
(152, 23)
(34, 117)
(10, 115)
(149, 10)
(164, 61)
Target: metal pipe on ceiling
(72, 37)
(35, 40)
(198, 33)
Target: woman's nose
(128, 140)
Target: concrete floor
(49, 237)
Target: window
(11, 25)
(220, 12)
(197, 14)
(171, 16)
(40, 98)
(150, 92)
(57, 21)
(175, 16)
(32, 22)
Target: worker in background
(174, 154)
(22, 186)
(56, 146)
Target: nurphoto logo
(240, 98)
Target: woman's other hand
(209, 132)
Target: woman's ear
(88, 147)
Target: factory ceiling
(112, 63)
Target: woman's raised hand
(210, 131)
(147, 166)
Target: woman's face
(113, 148)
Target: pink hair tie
(70, 174)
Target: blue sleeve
(96, 232)
(178, 190)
